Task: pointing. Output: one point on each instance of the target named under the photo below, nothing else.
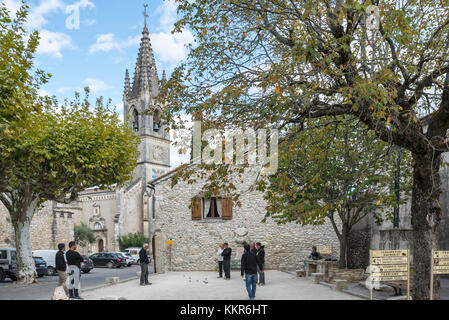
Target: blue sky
(96, 49)
(106, 43)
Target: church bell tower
(139, 103)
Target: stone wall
(195, 242)
(48, 228)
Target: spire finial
(145, 15)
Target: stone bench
(112, 280)
(317, 277)
(341, 284)
(300, 273)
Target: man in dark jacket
(261, 261)
(144, 261)
(249, 265)
(61, 267)
(227, 260)
(74, 260)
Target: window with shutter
(196, 209)
(226, 208)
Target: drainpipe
(149, 191)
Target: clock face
(159, 153)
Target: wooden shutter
(196, 209)
(226, 208)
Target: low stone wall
(351, 275)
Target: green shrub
(132, 240)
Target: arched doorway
(100, 245)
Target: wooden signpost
(439, 264)
(389, 265)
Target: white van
(50, 257)
(134, 252)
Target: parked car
(8, 263)
(87, 264)
(124, 259)
(41, 266)
(134, 252)
(130, 258)
(106, 259)
(50, 257)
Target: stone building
(197, 226)
(51, 225)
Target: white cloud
(53, 42)
(37, 14)
(171, 48)
(43, 93)
(96, 85)
(107, 42)
(12, 6)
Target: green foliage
(18, 82)
(330, 168)
(132, 240)
(84, 234)
(61, 150)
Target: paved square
(193, 286)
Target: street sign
(394, 278)
(169, 242)
(439, 264)
(389, 274)
(391, 268)
(441, 254)
(389, 265)
(389, 253)
(324, 249)
(390, 260)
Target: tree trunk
(343, 262)
(26, 271)
(426, 215)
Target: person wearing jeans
(144, 261)
(249, 265)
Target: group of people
(68, 264)
(251, 267)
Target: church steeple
(127, 85)
(145, 75)
(143, 112)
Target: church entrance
(100, 245)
